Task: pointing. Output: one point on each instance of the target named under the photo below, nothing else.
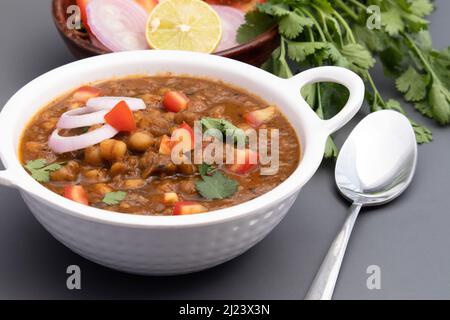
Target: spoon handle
(324, 282)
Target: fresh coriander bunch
(324, 32)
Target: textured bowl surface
(156, 245)
(159, 251)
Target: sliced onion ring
(60, 144)
(119, 25)
(102, 103)
(232, 19)
(95, 112)
(82, 117)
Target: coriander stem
(347, 10)
(311, 35)
(282, 49)
(420, 56)
(324, 22)
(337, 25)
(358, 4)
(282, 56)
(376, 93)
(346, 26)
(319, 28)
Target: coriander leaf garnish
(114, 198)
(206, 169)
(227, 128)
(331, 151)
(217, 186)
(256, 24)
(421, 8)
(293, 24)
(35, 164)
(413, 85)
(298, 51)
(40, 171)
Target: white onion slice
(60, 144)
(231, 19)
(102, 103)
(82, 117)
(95, 112)
(118, 24)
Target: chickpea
(92, 156)
(124, 205)
(186, 116)
(140, 141)
(67, 173)
(133, 183)
(112, 150)
(118, 168)
(186, 169)
(101, 188)
(95, 175)
(187, 187)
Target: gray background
(409, 238)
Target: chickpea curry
(111, 145)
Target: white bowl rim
(16, 176)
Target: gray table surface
(408, 239)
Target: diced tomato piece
(165, 147)
(77, 194)
(175, 101)
(82, 4)
(184, 134)
(258, 117)
(121, 117)
(188, 207)
(170, 198)
(83, 94)
(148, 5)
(250, 162)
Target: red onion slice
(82, 117)
(118, 24)
(60, 144)
(231, 19)
(102, 103)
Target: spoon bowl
(375, 165)
(378, 160)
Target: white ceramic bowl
(161, 245)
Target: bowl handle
(343, 76)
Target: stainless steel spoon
(375, 165)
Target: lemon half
(190, 25)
